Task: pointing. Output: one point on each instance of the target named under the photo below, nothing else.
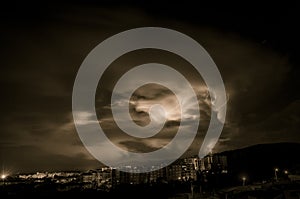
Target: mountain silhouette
(258, 162)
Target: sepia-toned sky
(42, 47)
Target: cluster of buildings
(187, 169)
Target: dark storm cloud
(32, 159)
(40, 56)
(255, 78)
(157, 93)
(137, 146)
(280, 126)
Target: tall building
(214, 163)
(174, 172)
(189, 168)
(158, 174)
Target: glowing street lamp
(3, 176)
(286, 172)
(276, 170)
(244, 180)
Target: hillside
(258, 162)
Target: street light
(3, 176)
(286, 172)
(276, 170)
(244, 180)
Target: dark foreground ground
(274, 190)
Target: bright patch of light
(3, 176)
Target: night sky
(42, 47)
